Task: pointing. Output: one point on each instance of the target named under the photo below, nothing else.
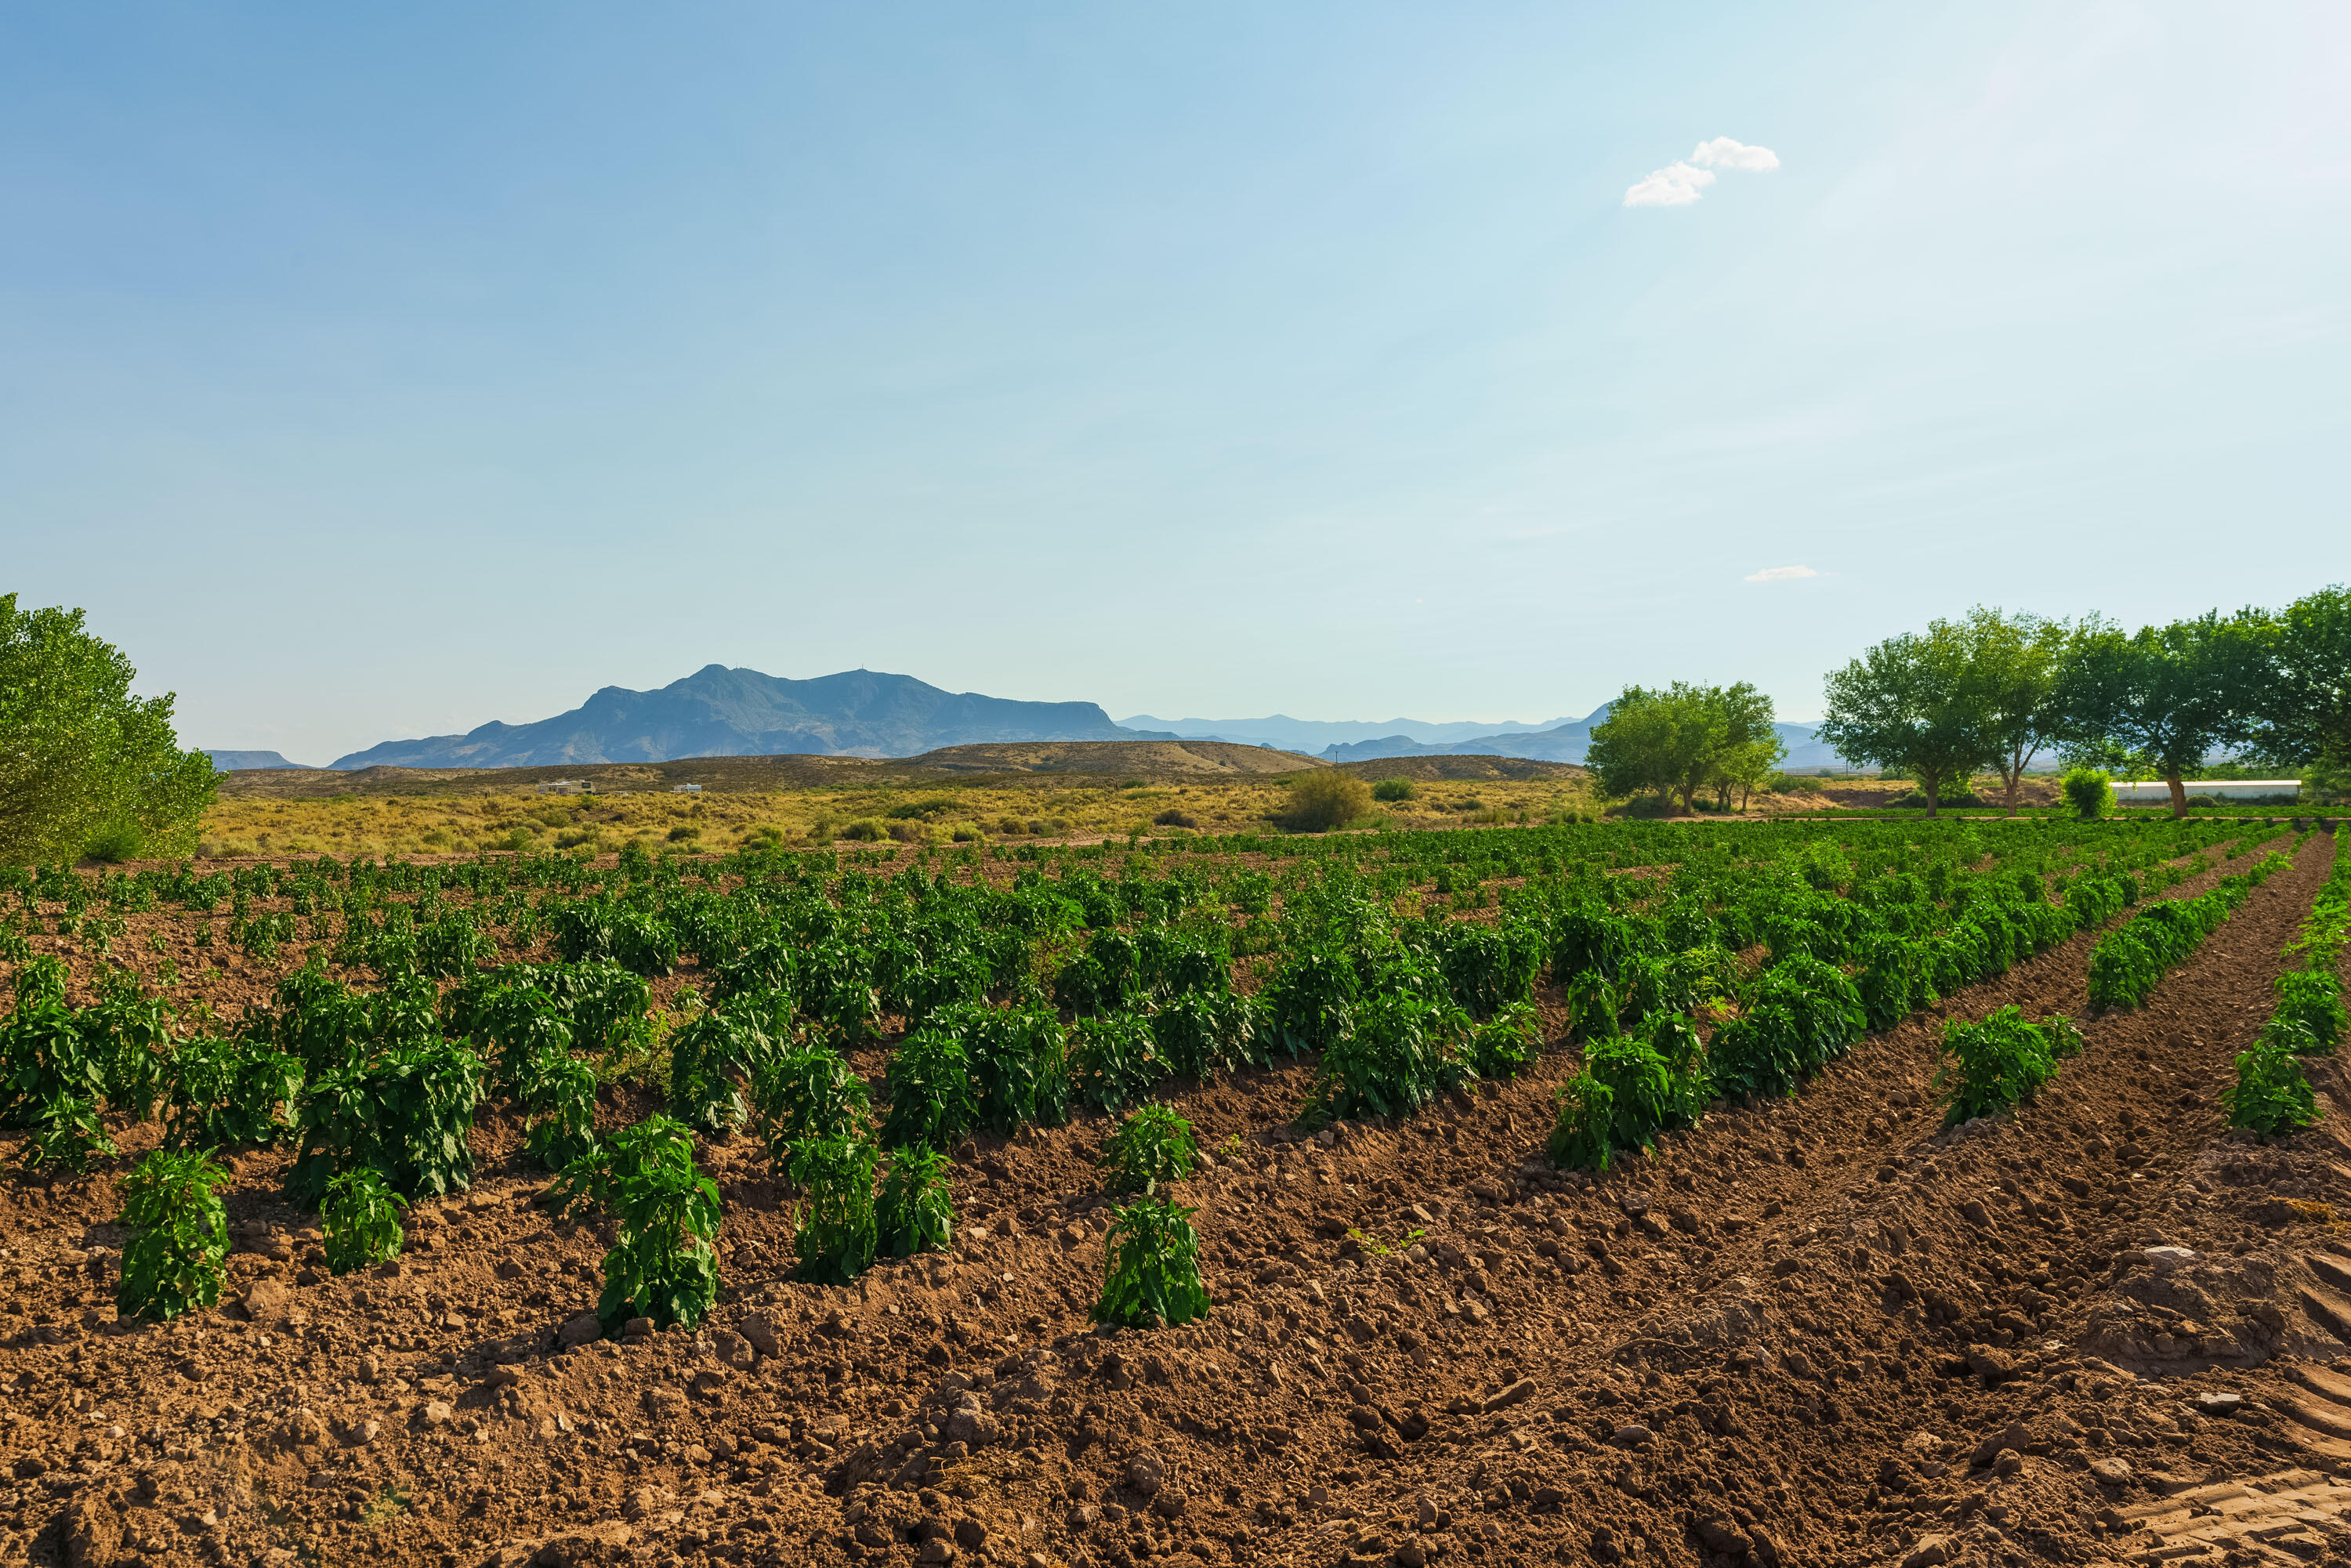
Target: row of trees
(1996, 691)
(1677, 740)
(85, 767)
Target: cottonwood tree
(1915, 703)
(2165, 695)
(2013, 663)
(84, 765)
(2300, 702)
(1677, 740)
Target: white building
(686, 789)
(566, 787)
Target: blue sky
(378, 374)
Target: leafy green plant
(1018, 1059)
(45, 1056)
(176, 1256)
(1401, 1050)
(360, 1220)
(1506, 1044)
(1591, 1007)
(1583, 1133)
(803, 1095)
(2313, 1000)
(932, 1100)
(836, 1236)
(2271, 1095)
(2087, 791)
(1152, 1146)
(1989, 1066)
(707, 1054)
(559, 1105)
(227, 1093)
(916, 1210)
(405, 1112)
(1152, 1274)
(665, 1213)
(66, 1136)
(1116, 1059)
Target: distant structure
(686, 789)
(2158, 793)
(567, 787)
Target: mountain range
(719, 712)
(722, 712)
(1565, 741)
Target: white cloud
(1683, 181)
(1780, 574)
(1675, 185)
(1723, 152)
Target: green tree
(2301, 705)
(1677, 740)
(2168, 695)
(2014, 660)
(84, 765)
(1915, 702)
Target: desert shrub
(177, 1253)
(1989, 1066)
(359, 1220)
(1152, 1267)
(1389, 790)
(227, 1093)
(932, 1100)
(2271, 1095)
(1399, 1053)
(917, 1210)
(1506, 1044)
(1115, 1059)
(1584, 1135)
(406, 1113)
(804, 1094)
(2313, 1000)
(835, 1237)
(1324, 800)
(1152, 1146)
(2087, 791)
(559, 1105)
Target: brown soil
(1822, 1330)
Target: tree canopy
(2165, 695)
(1677, 740)
(85, 766)
(1915, 702)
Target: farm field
(1676, 1193)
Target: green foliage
(1400, 1052)
(916, 1210)
(1152, 1146)
(804, 1094)
(1989, 1066)
(65, 1137)
(707, 1054)
(1323, 799)
(1803, 1015)
(2087, 791)
(1680, 739)
(666, 1213)
(228, 1093)
(1584, 1135)
(83, 763)
(360, 1220)
(2313, 1000)
(932, 1100)
(1488, 969)
(45, 1057)
(1591, 1007)
(1393, 790)
(1506, 1044)
(177, 1251)
(1018, 1059)
(405, 1112)
(1201, 1033)
(2271, 1095)
(559, 1105)
(1152, 1267)
(836, 1236)
(1117, 1061)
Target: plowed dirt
(1821, 1331)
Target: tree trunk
(2178, 795)
(2016, 778)
(1934, 784)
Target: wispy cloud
(1682, 182)
(1780, 574)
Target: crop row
(2273, 1095)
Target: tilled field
(1822, 1330)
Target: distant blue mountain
(719, 712)
(240, 761)
(1564, 743)
(1310, 735)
